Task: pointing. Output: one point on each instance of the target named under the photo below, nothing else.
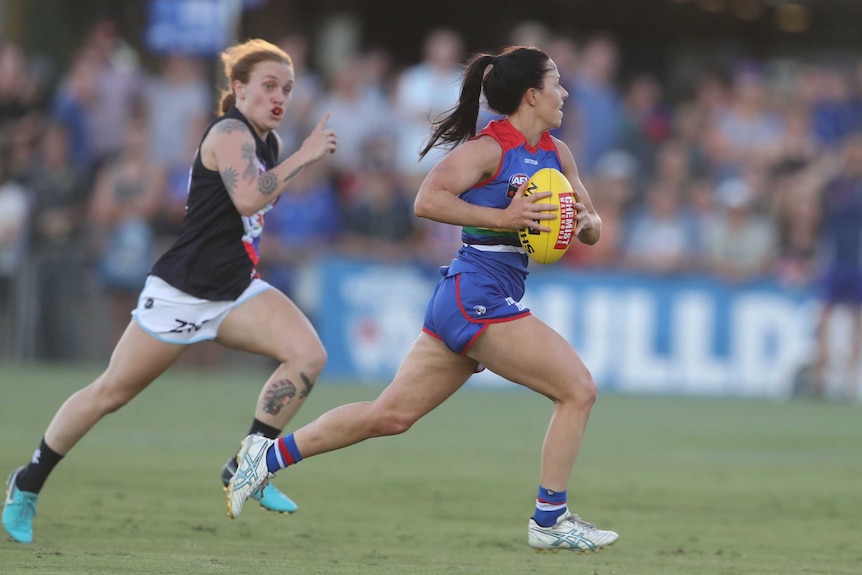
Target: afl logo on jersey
(515, 182)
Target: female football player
(475, 317)
(205, 286)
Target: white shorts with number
(173, 316)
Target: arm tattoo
(248, 153)
(229, 177)
(229, 126)
(309, 385)
(267, 184)
(278, 394)
(291, 175)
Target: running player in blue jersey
(840, 280)
(475, 317)
(206, 285)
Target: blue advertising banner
(637, 333)
(195, 27)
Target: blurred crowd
(726, 177)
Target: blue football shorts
(465, 304)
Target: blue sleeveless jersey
(500, 251)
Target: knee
(106, 397)
(314, 359)
(389, 422)
(582, 392)
(589, 392)
(308, 357)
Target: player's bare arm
(588, 222)
(463, 168)
(230, 149)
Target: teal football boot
(18, 511)
(270, 498)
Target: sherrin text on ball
(549, 247)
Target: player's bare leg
(529, 352)
(271, 324)
(137, 360)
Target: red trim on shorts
(431, 333)
(473, 339)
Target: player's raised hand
(321, 140)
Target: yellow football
(548, 247)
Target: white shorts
(173, 316)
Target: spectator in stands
(796, 213)
(699, 197)
(378, 208)
(661, 237)
(835, 112)
(748, 131)
(16, 85)
(14, 211)
(128, 192)
(612, 191)
(711, 97)
(178, 102)
(423, 92)
(118, 83)
(172, 209)
(799, 143)
(673, 164)
(24, 140)
(841, 260)
(60, 193)
(689, 129)
(739, 243)
(598, 101)
(75, 102)
(356, 114)
(305, 226)
(645, 123)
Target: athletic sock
(260, 428)
(550, 505)
(33, 477)
(282, 453)
(257, 428)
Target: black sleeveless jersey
(215, 255)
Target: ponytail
(503, 78)
(460, 124)
(228, 99)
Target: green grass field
(693, 486)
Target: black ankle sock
(257, 428)
(33, 477)
(260, 428)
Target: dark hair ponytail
(460, 124)
(514, 71)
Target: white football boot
(570, 533)
(252, 475)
